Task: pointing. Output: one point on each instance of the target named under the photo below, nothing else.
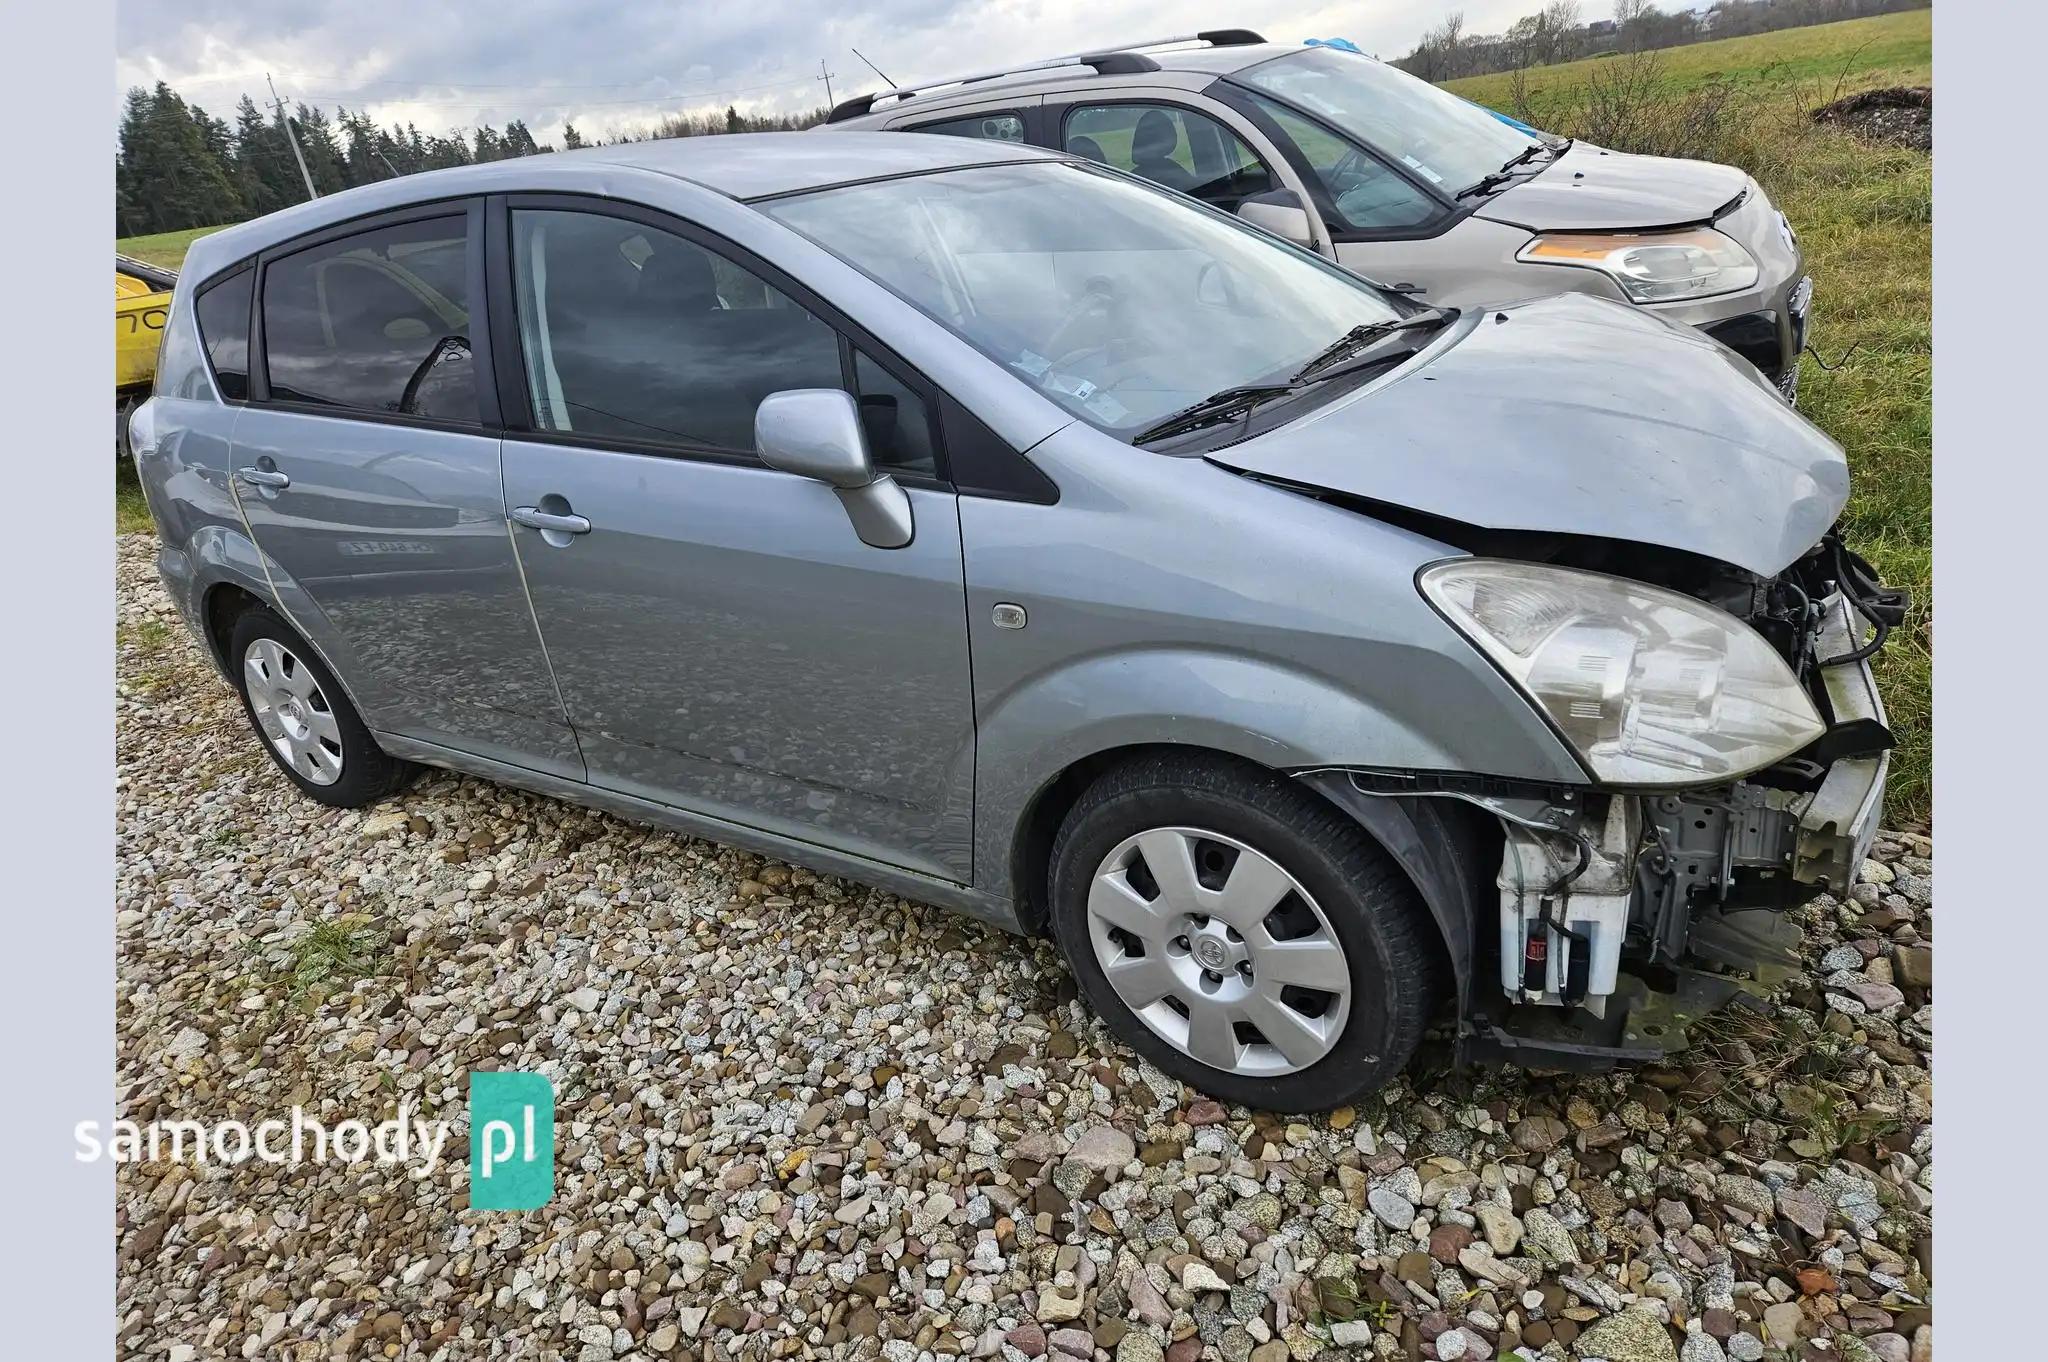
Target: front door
(366, 477)
(723, 639)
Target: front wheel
(303, 719)
(1242, 933)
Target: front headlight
(1652, 267)
(1650, 687)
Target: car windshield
(1120, 301)
(1448, 141)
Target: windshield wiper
(1215, 407)
(1356, 339)
(1508, 167)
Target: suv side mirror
(816, 433)
(1279, 211)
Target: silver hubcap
(291, 712)
(1219, 950)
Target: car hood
(1575, 415)
(1591, 189)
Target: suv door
(724, 640)
(366, 471)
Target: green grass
(164, 248)
(1887, 49)
(1865, 217)
(131, 512)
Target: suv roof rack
(1123, 60)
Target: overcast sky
(623, 64)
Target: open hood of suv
(1576, 415)
(1589, 189)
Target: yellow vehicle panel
(142, 304)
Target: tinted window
(374, 322)
(224, 330)
(989, 127)
(896, 420)
(1176, 147)
(633, 333)
(1366, 194)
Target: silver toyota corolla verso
(996, 527)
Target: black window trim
(214, 281)
(469, 207)
(1057, 127)
(516, 403)
(1244, 99)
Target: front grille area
(1754, 336)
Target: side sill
(960, 898)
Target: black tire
(1373, 910)
(368, 774)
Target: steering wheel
(1097, 301)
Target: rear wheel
(1241, 933)
(303, 719)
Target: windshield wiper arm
(1215, 407)
(1357, 338)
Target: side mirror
(816, 433)
(1279, 211)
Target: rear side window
(1169, 145)
(375, 322)
(223, 315)
(988, 127)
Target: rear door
(724, 640)
(367, 472)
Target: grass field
(1889, 49)
(163, 248)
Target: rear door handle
(263, 477)
(536, 519)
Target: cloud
(623, 66)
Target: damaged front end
(1622, 911)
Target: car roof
(1175, 66)
(742, 166)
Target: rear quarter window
(223, 316)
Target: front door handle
(536, 519)
(264, 477)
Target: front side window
(223, 315)
(1447, 141)
(632, 333)
(985, 127)
(374, 322)
(1366, 194)
(1168, 145)
(1121, 303)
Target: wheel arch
(1440, 845)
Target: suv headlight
(1650, 687)
(1652, 267)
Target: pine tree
(571, 139)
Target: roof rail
(1125, 59)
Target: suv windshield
(1448, 141)
(1121, 302)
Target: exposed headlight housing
(1652, 267)
(1651, 688)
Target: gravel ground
(798, 1117)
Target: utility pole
(874, 68)
(825, 76)
(291, 137)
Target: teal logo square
(511, 1140)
